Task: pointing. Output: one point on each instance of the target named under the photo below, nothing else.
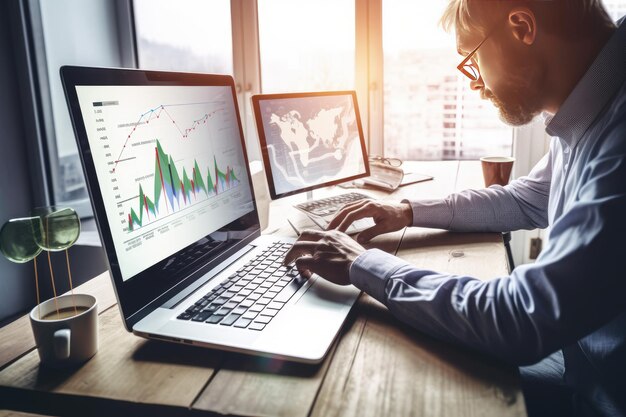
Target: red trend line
(153, 114)
(182, 187)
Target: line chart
(155, 113)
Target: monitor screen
(310, 140)
(169, 163)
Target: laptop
(167, 172)
(312, 140)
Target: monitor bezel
(256, 103)
(147, 290)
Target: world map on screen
(311, 140)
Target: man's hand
(326, 253)
(388, 217)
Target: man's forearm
(494, 209)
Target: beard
(516, 108)
(518, 98)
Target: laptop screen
(310, 140)
(169, 163)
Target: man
(567, 311)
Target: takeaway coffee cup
(66, 331)
(497, 169)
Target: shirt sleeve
(522, 204)
(576, 285)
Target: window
(72, 33)
(616, 8)
(184, 35)
(430, 112)
(306, 45)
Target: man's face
(509, 74)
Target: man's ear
(523, 25)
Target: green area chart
(176, 191)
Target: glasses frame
(394, 162)
(461, 66)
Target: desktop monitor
(310, 140)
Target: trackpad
(326, 294)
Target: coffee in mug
(65, 313)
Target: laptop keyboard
(251, 297)
(329, 205)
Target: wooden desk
(377, 367)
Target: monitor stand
(309, 195)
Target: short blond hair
(571, 18)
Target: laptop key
(272, 292)
(263, 319)
(214, 319)
(270, 312)
(237, 299)
(250, 315)
(264, 301)
(239, 310)
(243, 323)
(220, 301)
(185, 316)
(276, 305)
(228, 321)
(256, 308)
(256, 326)
(212, 308)
(223, 311)
(202, 316)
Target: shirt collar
(599, 84)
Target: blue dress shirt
(574, 296)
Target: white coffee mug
(66, 341)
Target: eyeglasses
(468, 66)
(394, 162)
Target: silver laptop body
(179, 226)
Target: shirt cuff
(371, 270)
(436, 214)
